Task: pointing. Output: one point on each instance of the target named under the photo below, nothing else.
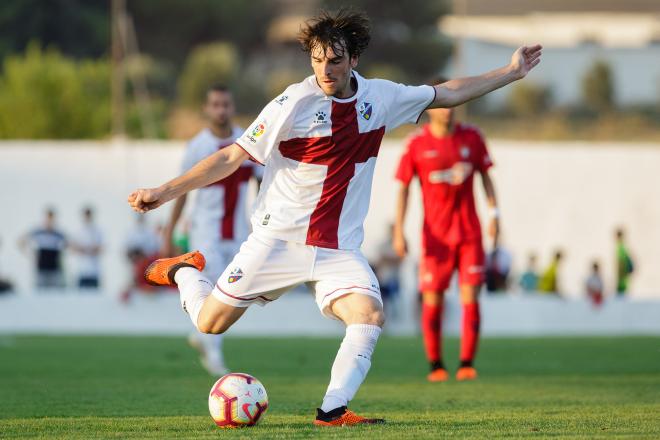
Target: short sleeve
(406, 169)
(267, 131)
(408, 103)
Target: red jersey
(445, 167)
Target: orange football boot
(438, 375)
(343, 417)
(161, 272)
(466, 373)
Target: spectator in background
(498, 267)
(180, 238)
(142, 247)
(594, 285)
(624, 264)
(47, 245)
(549, 282)
(387, 271)
(5, 285)
(142, 239)
(529, 281)
(88, 244)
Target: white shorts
(266, 268)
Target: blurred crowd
(46, 245)
(499, 277)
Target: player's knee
(377, 318)
(371, 316)
(432, 298)
(469, 295)
(212, 326)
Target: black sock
(330, 415)
(436, 365)
(466, 364)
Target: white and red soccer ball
(237, 400)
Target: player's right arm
(215, 167)
(404, 174)
(399, 239)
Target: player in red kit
(445, 155)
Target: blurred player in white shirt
(318, 140)
(219, 217)
(88, 243)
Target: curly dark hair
(344, 30)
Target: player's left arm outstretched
(215, 167)
(458, 91)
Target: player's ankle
(181, 272)
(330, 415)
(467, 364)
(436, 365)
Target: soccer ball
(237, 400)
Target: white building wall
(636, 71)
(569, 195)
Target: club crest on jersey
(257, 131)
(465, 152)
(320, 117)
(235, 275)
(365, 110)
(281, 99)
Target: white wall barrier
(296, 314)
(568, 195)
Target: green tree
(170, 29)
(44, 95)
(79, 28)
(528, 99)
(207, 64)
(404, 35)
(598, 88)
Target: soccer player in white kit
(219, 215)
(319, 141)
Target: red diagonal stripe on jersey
(231, 185)
(340, 152)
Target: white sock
(193, 290)
(213, 348)
(351, 365)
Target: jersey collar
(360, 88)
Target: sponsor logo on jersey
(365, 109)
(320, 117)
(281, 99)
(257, 131)
(235, 275)
(264, 222)
(430, 153)
(455, 175)
(465, 152)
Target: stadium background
(91, 91)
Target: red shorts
(439, 261)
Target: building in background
(625, 36)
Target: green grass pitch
(138, 387)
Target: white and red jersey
(320, 154)
(220, 209)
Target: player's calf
(216, 317)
